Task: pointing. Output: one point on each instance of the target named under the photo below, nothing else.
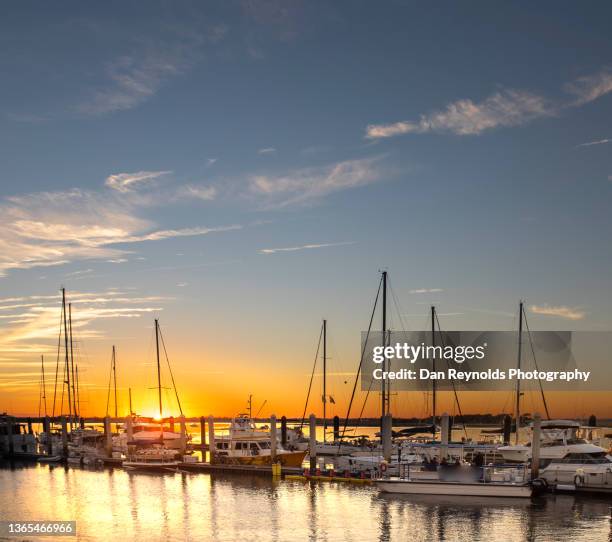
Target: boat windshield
(593, 458)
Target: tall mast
(115, 379)
(67, 360)
(518, 380)
(74, 401)
(384, 383)
(158, 367)
(433, 382)
(130, 397)
(251, 406)
(324, 380)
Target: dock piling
(183, 441)
(109, 436)
(129, 424)
(312, 448)
(273, 438)
(203, 437)
(211, 439)
(535, 446)
(284, 431)
(336, 428)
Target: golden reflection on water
(115, 504)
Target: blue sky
(248, 168)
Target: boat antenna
(250, 406)
(518, 380)
(261, 407)
(67, 360)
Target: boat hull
(287, 459)
(415, 487)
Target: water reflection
(114, 504)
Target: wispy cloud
(597, 142)
(211, 161)
(79, 272)
(205, 193)
(505, 108)
(125, 182)
(267, 150)
(425, 291)
(304, 247)
(561, 311)
(305, 185)
(589, 88)
(53, 228)
(132, 79)
(464, 117)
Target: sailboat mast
(74, 401)
(433, 382)
(67, 360)
(518, 380)
(324, 380)
(130, 398)
(115, 378)
(158, 367)
(384, 383)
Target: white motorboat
(152, 459)
(461, 481)
(558, 440)
(580, 472)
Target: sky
(242, 170)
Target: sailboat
(152, 446)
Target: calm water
(116, 505)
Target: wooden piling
(109, 437)
(30, 430)
(183, 439)
(203, 437)
(284, 431)
(129, 426)
(211, 439)
(312, 448)
(273, 439)
(535, 446)
(336, 428)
